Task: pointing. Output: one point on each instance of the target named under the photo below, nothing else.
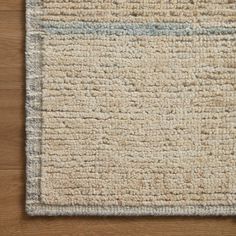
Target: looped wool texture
(131, 107)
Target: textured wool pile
(131, 107)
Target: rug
(131, 107)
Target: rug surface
(131, 107)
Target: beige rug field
(131, 107)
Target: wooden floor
(13, 220)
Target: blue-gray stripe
(149, 29)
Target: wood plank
(12, 129)
(12, 78)
(12, 90)
(13, 220)
(11, 39)
(11, 5)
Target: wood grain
(11, 5)
(12, 128)
(11, 39)
(12, 78)
(13, 220)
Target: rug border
(49, 210)
(33, 206)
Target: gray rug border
(34, 207)
(43, 210)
